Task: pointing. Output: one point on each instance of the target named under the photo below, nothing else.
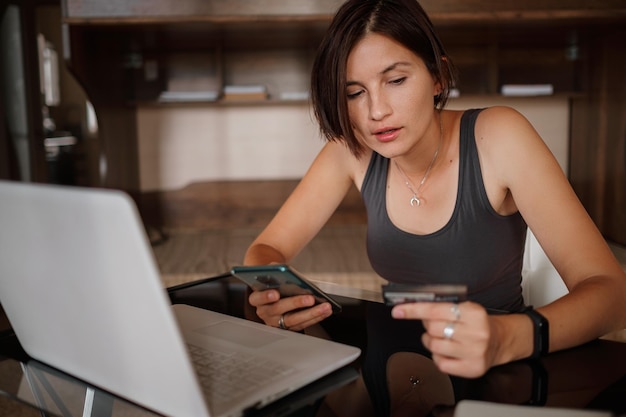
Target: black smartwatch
(541, 334)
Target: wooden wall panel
(598, 136)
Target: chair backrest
(541, 283)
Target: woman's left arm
(521, 174)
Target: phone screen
(283, 278)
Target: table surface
(591, 377)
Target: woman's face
(390, 95)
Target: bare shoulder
(509, 147)
(338, 152)
(336, 157)
(502, 122)
(505, 132)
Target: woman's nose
(379, 107)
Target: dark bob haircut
(406, 22)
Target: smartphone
(405, 293)
(283, 278)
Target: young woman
(449, 196)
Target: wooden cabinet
(142, 46)
(126, 52)
(150, 59)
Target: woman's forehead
(378, 53)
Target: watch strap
(541, 334)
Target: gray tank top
(477, 247)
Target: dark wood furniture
(577, 46)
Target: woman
(449, 196)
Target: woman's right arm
(307, 209)
(301, 217)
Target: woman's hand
(294, 313)
(462, 337)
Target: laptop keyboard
(226, 375)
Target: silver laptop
(81, 288)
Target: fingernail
(397, 313)
(326, 309)
(272, 296)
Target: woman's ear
(446, 74)
(442, 83)
(438, 89)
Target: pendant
(415, 200)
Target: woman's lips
(386, 134)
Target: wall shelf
(279, 54)
(119, 49)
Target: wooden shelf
(441, 11)
(222, 103)
(118, 51)
(268, 46)
(492, 43)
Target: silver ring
(456, 311)
(281, 322)
(448, 331)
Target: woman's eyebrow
(394, 66)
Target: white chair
(541, 283)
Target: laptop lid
(82, 290)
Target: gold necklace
(415, 200)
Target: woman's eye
(354, 94)
(397, 81)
